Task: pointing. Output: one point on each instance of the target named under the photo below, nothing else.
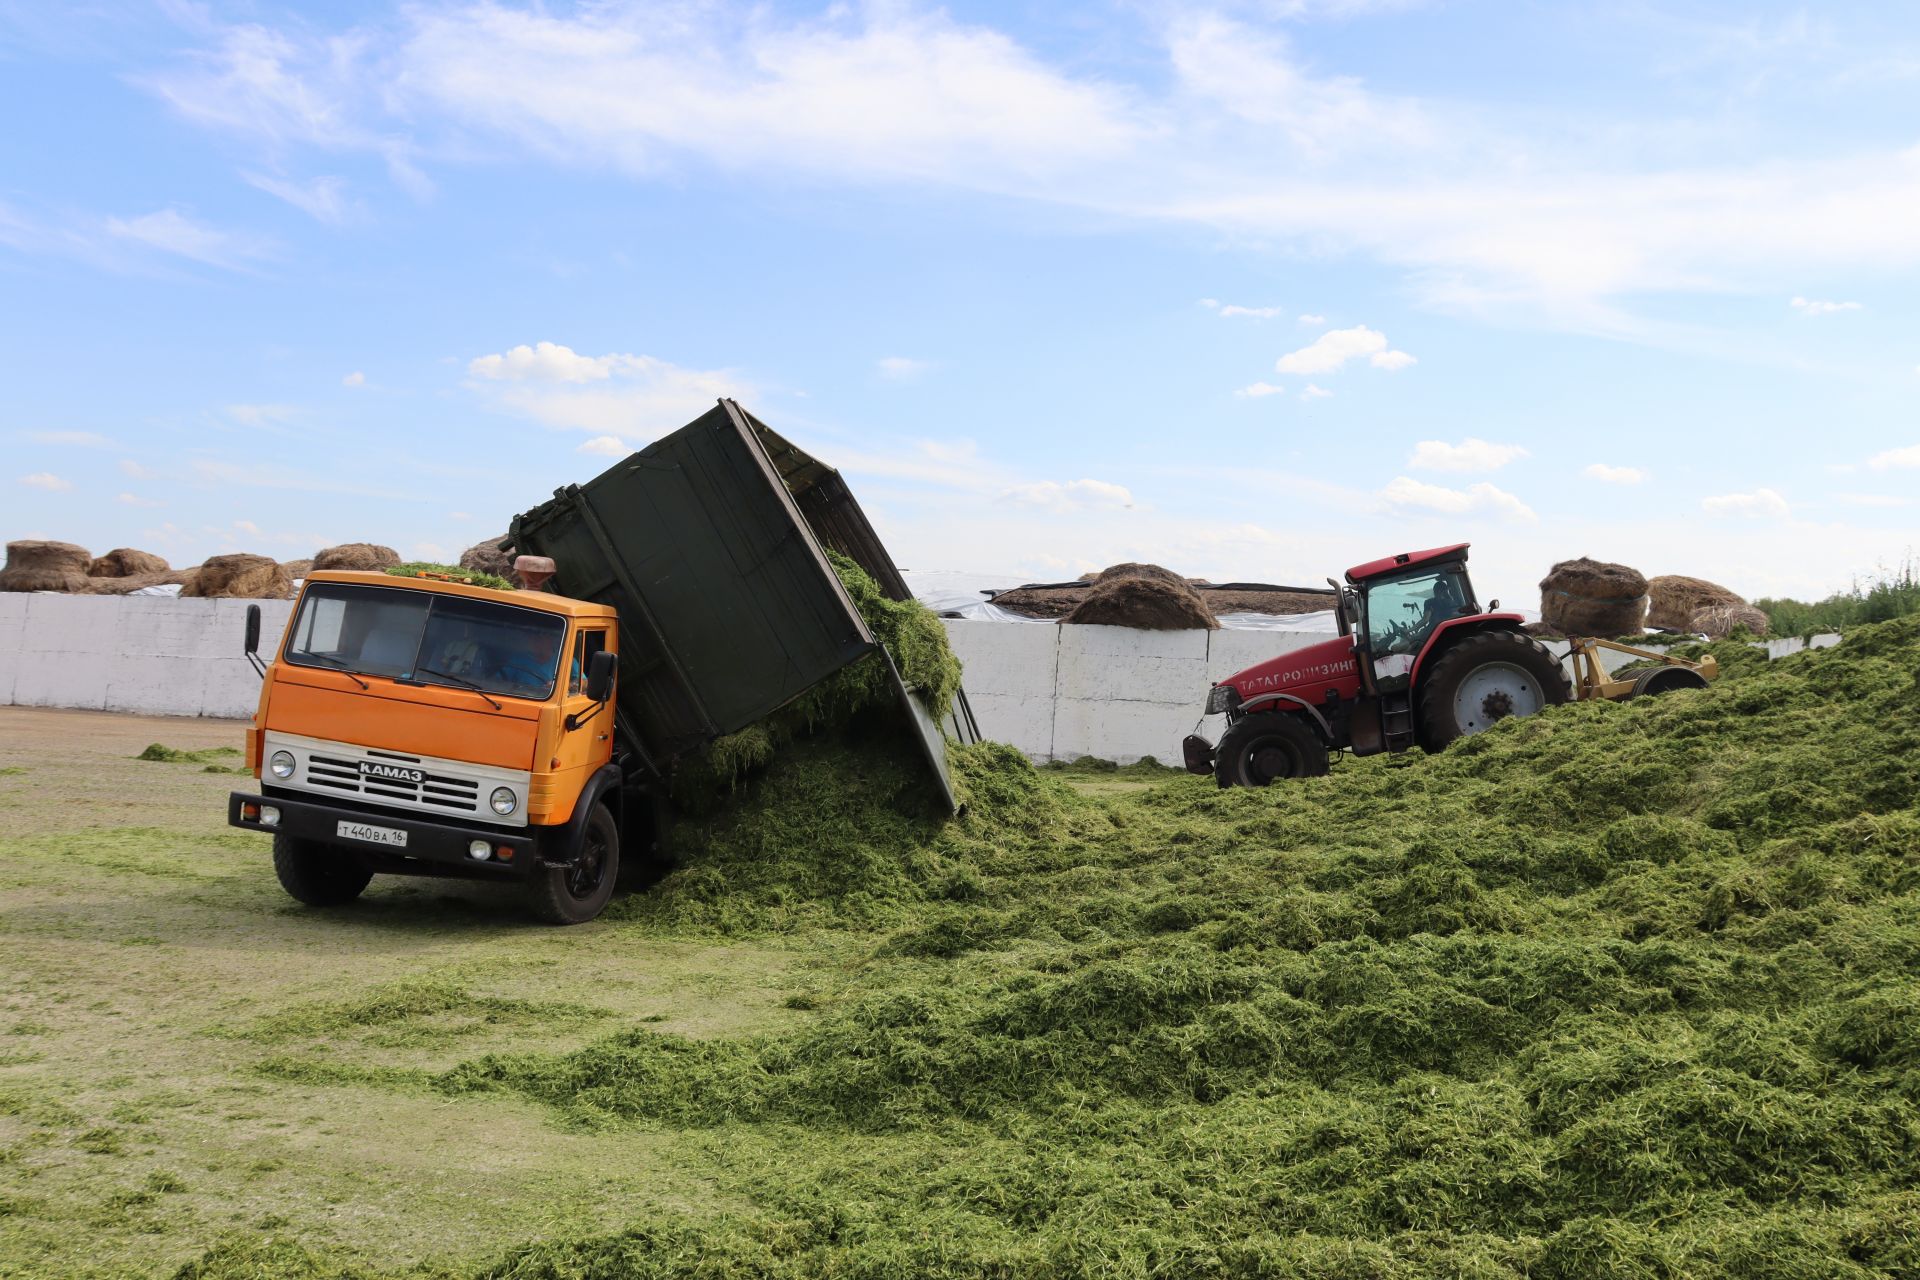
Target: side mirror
(600, 669)
(1493, 605)
(253, 629)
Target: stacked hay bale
(1593, 598)
(487, 557)
(242, 577)
(1718, 621)
(125, 562)
(1145, 596)
(369, 556)
(36, 565)
(1673, 599)
(297, 569)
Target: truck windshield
(424, 636)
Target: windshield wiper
(462, 680)
(332, 661)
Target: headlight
(1221, 698)
(504, 801)
(281, 764)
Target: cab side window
(588, 644)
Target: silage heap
(1621, 989)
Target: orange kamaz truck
(430, 727)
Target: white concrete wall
(146, 654)
(1054, 692)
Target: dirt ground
(153, 970)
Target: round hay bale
(1133, 569)
(487, 557)
(357, 555)
(1150, 604)
(125, 562)
(34, 565)
(126, 584)
(1593, 598)
(1672, 600)
(297, 569)
(1718, 621)
(240, 577)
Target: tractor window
(1402, 612)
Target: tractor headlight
(281, 764)
(504, 801)
(1221, 699)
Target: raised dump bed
(708, 543)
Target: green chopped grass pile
(473, 577)
(1619, 990)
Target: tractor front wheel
(1270, 745)
(1486, 678)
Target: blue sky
(1257, 289)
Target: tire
(318, 874)
(1485, 678)
(576, 893)
(1268, 746)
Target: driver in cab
(528, 663)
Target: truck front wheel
(1270, 745)
(580, 890)
(317, 874)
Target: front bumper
(1198, 753)
(432, 848)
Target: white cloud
(134, 500)
(1486, 211)
(46, 480)
(323, 199)
(79, 439)
(1471, 454)
(1760, 504)
(134, 470)
(1909, 456)
(1872, 500)
(1230, 310)
(605, 447)
(431, 553)
(1315, 393)
(258, 415)
(1311, 320)
(1332, 349)
(1816, 307)
(356, 379)
(1613, 475)
(622, 395)
(1071, 496)
(171, 231)
(248, 527)
(1255, 390)
(901, 368)
(1405, 491)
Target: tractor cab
(1394, 606)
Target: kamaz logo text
(1301, 674)
(391, 772)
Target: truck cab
(427, 726)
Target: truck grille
(434, 790)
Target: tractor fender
(562, 843)
(1286, 701)
(1453, 629)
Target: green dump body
(702, 542)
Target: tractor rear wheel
(1485, 678)
(1270, 745)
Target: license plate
(372, 835)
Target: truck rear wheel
(317, 874)
(1485, 678)
(1267, 746)
(579, 891)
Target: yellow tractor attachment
(1592, 681)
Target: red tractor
(1418, 662)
